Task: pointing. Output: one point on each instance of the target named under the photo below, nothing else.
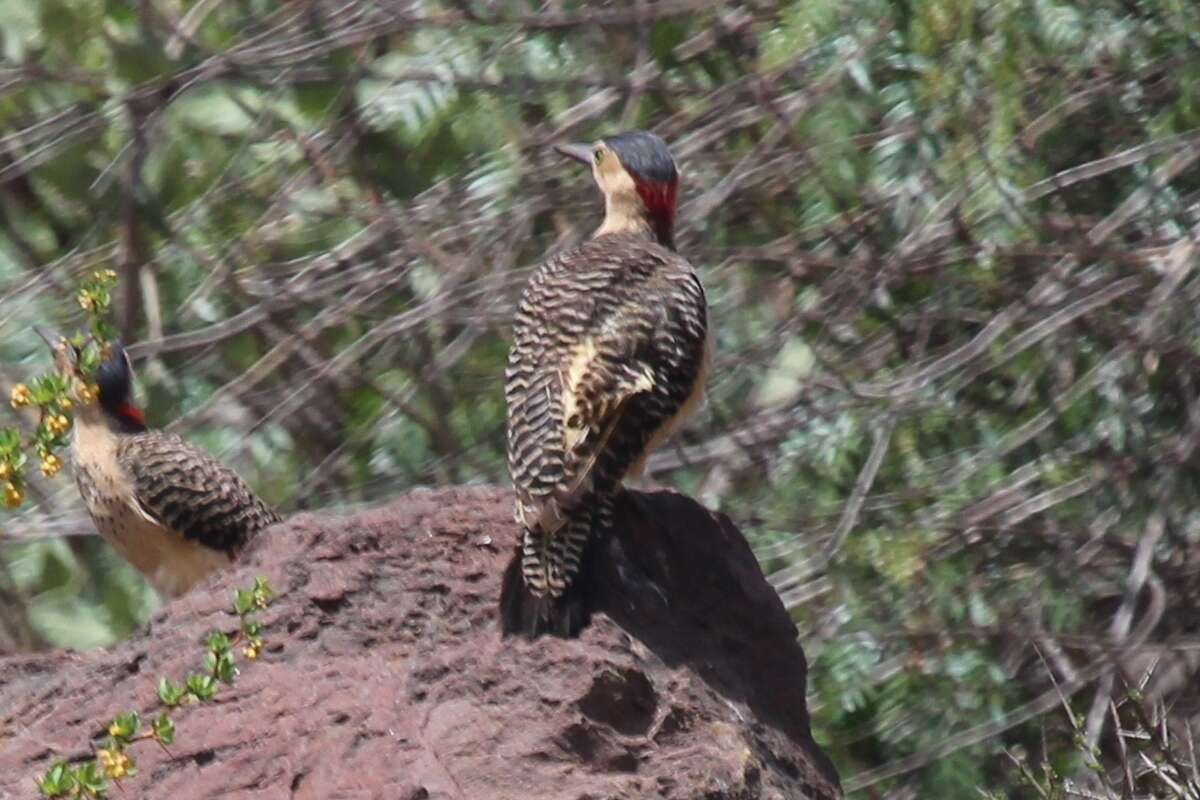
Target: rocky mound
(384, 675)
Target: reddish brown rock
(384, 675)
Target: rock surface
(384, 675)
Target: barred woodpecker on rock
(610, 347)
(166, 506)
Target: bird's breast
(103, 483)
(171, 563)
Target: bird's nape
(115, 381)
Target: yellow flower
(51, 464)
(87, 393)
(58, 424)
(114, 763)
(251, 650)
(21, 396)
(65, 404)
(110, 274)
(86, 302)
(12, 495)
(5, 470)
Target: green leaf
(164, 729)
(58, 780)
(213, 110)
(202, 686)
(46, 389)
(169, 692)
(243, 601)
(10, 440)
(225, 670)
(218, 643)
(125, 726)
(91, 780)
(314, 100)
(90, 357)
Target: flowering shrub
(55, 394)
(113, 760)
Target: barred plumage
(609, 346)
(191, 492)
(166, 506)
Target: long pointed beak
(579, 152)
(48, 336)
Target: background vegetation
(950, 248)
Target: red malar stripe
(660, 198)
(132, 413)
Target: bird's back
(191, 492)
(168, 507)
(609, 345)
(613, 302)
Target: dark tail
(562, 559)
(522, 614)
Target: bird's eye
(599, 156)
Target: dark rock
(384, 675)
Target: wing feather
(181, 487)
(594, 404)
(601, 338)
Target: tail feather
(524, 614)
(546, 589)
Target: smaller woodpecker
(166, 506)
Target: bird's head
(113, 377)
(639, 180)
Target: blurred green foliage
(949, 248)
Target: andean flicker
(610, 345)
(166, 506)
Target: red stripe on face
(660, 197)
(132, 413)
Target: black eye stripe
(599, 156)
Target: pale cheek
(603, 179)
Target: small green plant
(1150, 761)
(55, 395)
(113, 760)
